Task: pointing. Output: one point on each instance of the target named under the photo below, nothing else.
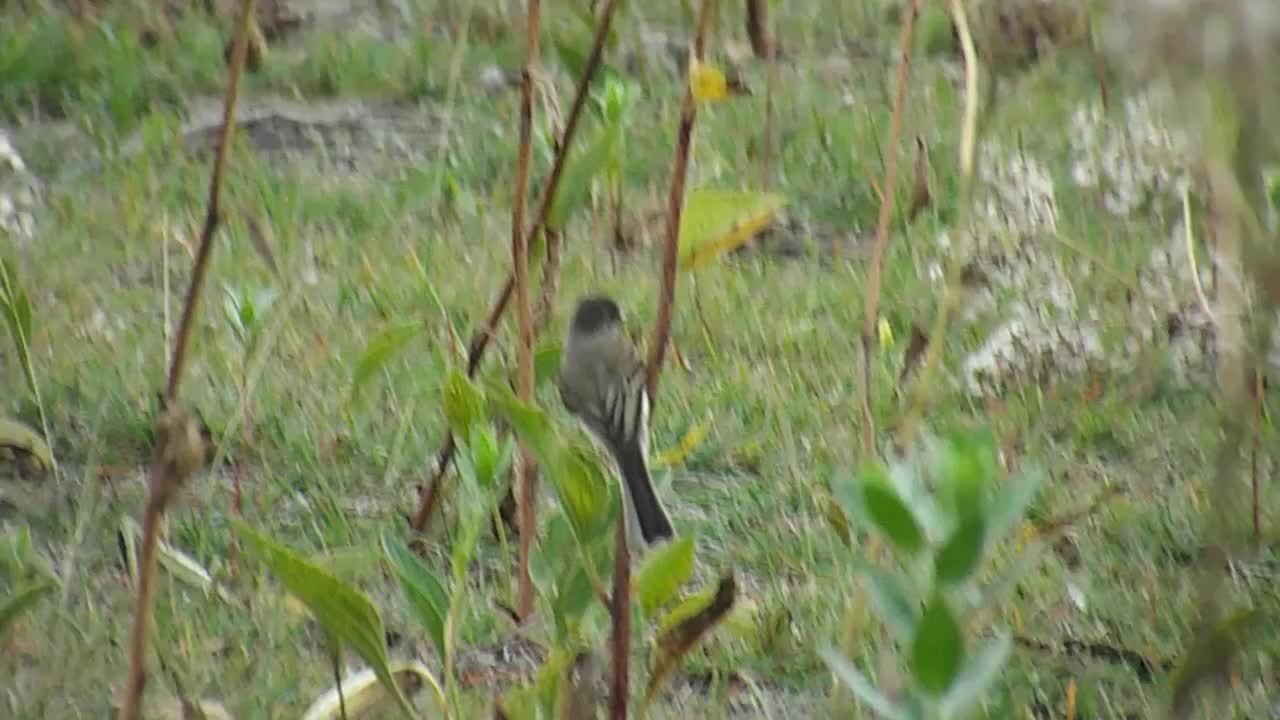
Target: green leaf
(463, 404)
(380, 349)
(969, 463)
(891, 516)
(976, 678)
(938, 649)
(574, 594)
(14, 301)
(20, 601)
(1010, 503)
(575, 185)
(546, 364)
(530, 423)
(716, 221)
(344, 612)
(574, 470)
(426, 594)
(585, 491)
(663, 572)
(846, 673)
(959, 556)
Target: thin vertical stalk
(882, 226)
(178, 445)
(675, 206)
(528, 476)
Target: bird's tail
(654, 523)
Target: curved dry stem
(882, 226)
(165, 476)
(675, 206)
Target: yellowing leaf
(16, 436)
(716, 221)
(706, 82)
(677, 454)
(886, 334)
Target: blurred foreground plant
(941, 510)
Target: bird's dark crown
(595, 312)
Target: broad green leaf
(380, 349)
(846, 673)
(586, 492)
(485, 456)
(959, 556)
(550, 677)
(892, 516)
(714, 222)
(1010, 503)
(20, 601)
(664, 570)
(581, 170)
(937, 652)
(968, 465)
(531, 424)
(344, 612)
(574, 594)
(16, 436)
(426, 594)
(463, 404)
(976, 678)
(546, 364)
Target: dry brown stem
(882, 226)
(675, 206)
(430, 497)
(524, 314)
(179, 446)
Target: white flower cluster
(18, 194)
(1134, 160)
(1042, 329)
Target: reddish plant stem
(620, 612)
(675, 207)
(164, 477)
(882, 227)
(524, 315)
(430, 497)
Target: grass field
(1080, 345)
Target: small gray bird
(602, 382)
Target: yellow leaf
(686, 446)
(717, 221)
(706, 83)
(886, 334)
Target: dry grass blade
(675, 643)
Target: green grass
(772, 356)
